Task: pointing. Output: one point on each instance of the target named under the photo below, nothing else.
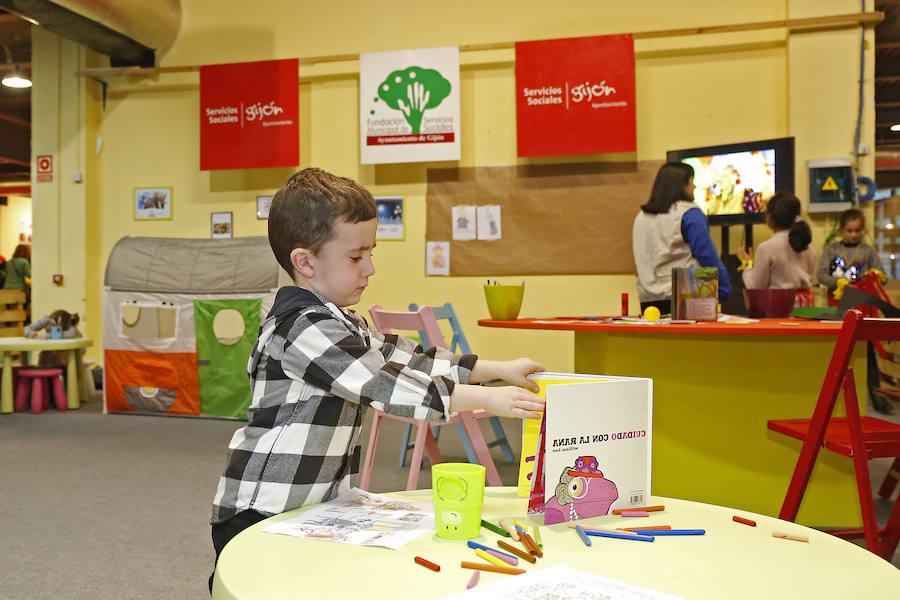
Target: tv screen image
(733, 183)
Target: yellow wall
(691, 91)
(17, 207)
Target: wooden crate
(12, 313)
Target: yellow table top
(732, 560)
(17, 344)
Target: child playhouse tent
(180, 317)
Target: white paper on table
(489, 222)
(362, 519)
(560, 582)
(463, 222)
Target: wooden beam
(15, 66)
(852, 19)
(15, 121)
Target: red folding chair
(860, 438)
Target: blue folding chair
(458, 341)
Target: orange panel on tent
(151, 382)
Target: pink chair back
(389, 321)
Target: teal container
(458, 491)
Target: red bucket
(769, 303)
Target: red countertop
(785, 326)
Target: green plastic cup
(504, 301)
(458, 490)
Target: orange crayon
(427, 563)
(738, 519)
(619, 511)
(510, 548)
(493, 568)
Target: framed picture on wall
(221, 225)
(390, 217)
(263, 203)
(153, 204)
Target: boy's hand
(505, 401)
(515, 372)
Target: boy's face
(342, 266)
(852, 231)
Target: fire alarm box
(831, 184)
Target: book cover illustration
(695, 293)
(594, 450)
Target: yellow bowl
(504, 301)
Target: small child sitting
(61, 322)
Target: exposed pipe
(153, 23)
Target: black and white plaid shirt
(313, 371)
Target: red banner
(249, 115)
(575, 96)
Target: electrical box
(831, 184)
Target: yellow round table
(75, 384)
(731, 560)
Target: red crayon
(427, 563)
(744, 521)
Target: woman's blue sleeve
(695, 231)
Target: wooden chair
(458, 342)
(860, 438)
(423, 320)
(12, 313)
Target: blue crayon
(472, 544)
(584, 538)
(622, 536)
(669, 531)
(519, 528)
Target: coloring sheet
(464, 221)
(362, 519)
(559, 582)
(437, 258)
(489, 222)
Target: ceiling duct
(130, 32)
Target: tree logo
(412, 91)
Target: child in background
(785, 261)
(45, 327)
(850, 258)
(318, 366)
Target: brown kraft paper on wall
(557, 219)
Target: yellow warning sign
(829, 185)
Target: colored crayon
(647, 527)
(474, 580)
(583, 535)
(621, 536)
(427, 563)
(634, 513)
(670, 531)
(644, 508)
(738, 519)
(493, 568)
(494, 528)
(489, 557)
(523, 555)
(509, 528)
(497, 553)
(537, 537)
(573, 525)
(790, 536)
(530, 544)
(519, 523)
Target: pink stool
(40, 389)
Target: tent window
(228, 326)
(153, 322)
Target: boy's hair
(669, 187)
(852, 214)
(306, 209)
(63, 319)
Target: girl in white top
(785, 261)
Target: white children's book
(594, 446)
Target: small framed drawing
(390, 217)
(153, 204)
(221, 225)
(263, 203)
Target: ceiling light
(895, 127)
(16, 80)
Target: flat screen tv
(733, 182)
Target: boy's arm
(327, 355)
(823, 274)
(515, 372)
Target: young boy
(316, 366)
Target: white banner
(409, 105)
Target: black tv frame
(784, 171)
